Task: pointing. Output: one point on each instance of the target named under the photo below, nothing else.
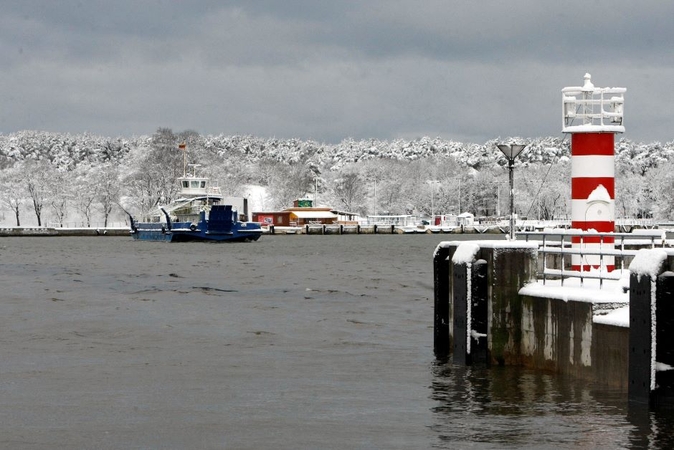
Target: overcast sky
(329, 70)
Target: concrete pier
(570, 330)
(55, 231)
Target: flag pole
(182, 147)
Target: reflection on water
(652, 429)
(505, 407)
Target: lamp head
(511, 150)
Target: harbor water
(291, 342)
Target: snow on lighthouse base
(598, 217)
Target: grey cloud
(329, 70)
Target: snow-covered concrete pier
(490, 307)
(63, 231)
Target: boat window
(195, 184)
(186, 184)
(203, 184)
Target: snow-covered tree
(108, 189)
(13, 190)
(37, 175)
(632, 198)
(152, 169)
(543, 190)
(60, 192)
(289, 183)
(660, 183)
(468, 177)
(349, 189)
(85, 191)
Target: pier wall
(55, 231)
(561, 336)
(351, 228)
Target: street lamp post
(432, 201)
(374, 203)
(315, 191)
(432, 184)
(511, 151)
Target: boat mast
(194, 169)
(183, 147)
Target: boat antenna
(183, 147)
(194, 169)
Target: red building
(302, 213)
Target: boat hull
(220, 227)
(240, 232)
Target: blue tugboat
(198, 215)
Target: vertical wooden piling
(441, 292)
(664, 350)
(479, 349)
(470, 287)
(651, 357)
(639, 375)
(460, 294)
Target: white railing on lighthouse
(588, 108)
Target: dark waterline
(289, 342)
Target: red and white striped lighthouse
(593, 116)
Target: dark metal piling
(441, 294)
(479, 349)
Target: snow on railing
(556, 247)
(595, 109)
